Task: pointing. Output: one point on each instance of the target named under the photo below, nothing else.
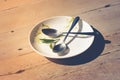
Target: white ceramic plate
(61, 23)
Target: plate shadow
(90, 54)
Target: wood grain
(19, 62)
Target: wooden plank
(26, 14)
(34, 66)
(11, 4)
(19, 62)
(22, 22)
(106, 19)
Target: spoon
(54, 33)
(62, 47)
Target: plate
(77, 43)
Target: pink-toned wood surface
(19, 62)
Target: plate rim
(31, 45)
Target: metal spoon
(62, 47)
(54, 33)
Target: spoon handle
(72, 26)
(82, 33)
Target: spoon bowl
(61, 49)
(51, 32)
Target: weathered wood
(19, 62)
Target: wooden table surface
(19, 62)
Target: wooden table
(19, 62)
